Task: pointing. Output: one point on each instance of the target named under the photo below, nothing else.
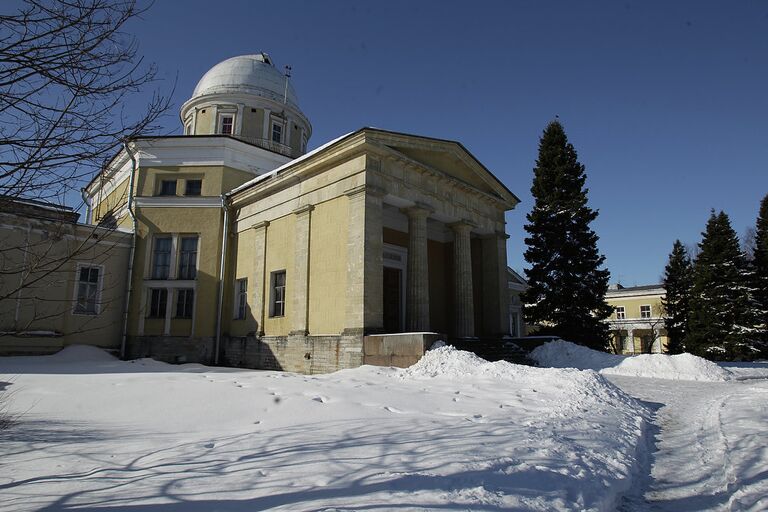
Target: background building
(637, 323)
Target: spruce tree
(760, 267)
(566, 294)
(720, 322)
(678, 276)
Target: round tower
(248, 98)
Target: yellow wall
(253, 123)
(328, 266)
(206, 223)
(111, 202)
(280, 256)
(632, 305)
(204, 117)
(46, 300)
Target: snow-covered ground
(710, 443)
(452, 432)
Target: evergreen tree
(720, 322)
(566, 293)
(760, 267)
(678, 281)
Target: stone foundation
(401, 350)
(172, 349)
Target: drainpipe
(222, 261)
(129, 278)
(87, 206)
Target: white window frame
(241, 299)
(176, 303)
(274, 121)
(152, 260)
(220, 126)
(76, 291)
(621, 313)
(178, 260)
(168, 295)
(650, 311)
(272, 295)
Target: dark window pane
(193, 188)
(168, 188)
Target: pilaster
(365, 245)
(260, 278)
(300, 281)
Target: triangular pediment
(446, 157)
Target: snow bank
(453, 431)
(82, 354)
(563, 354)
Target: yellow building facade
(246, 250)
(637, 322)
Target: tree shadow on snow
(345, 462)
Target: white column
(214, 119)
(265, 129)
(259, 275)
(495, 291)
(464, 303)
(656, 347)
(365, 245)
(238, 128)
(298, 284)
(417, 281)
(631, 341)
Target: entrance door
(392, 295)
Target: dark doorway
(392, 295)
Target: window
(277, 283)
(161, 258)
(193, 187)
(277, 132)
(188, 258)
(158, 299)
(620, 314)
(185, 299)
(87, 290)
(645, 311)
(241, 300)
(226, 123)
(168, 188)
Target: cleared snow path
(711, 442)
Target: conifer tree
(566, 294)
(760, 266)
(678, 281)
(720, 323)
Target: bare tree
(67, 70)
(72, 89)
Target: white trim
(178, 202)
(650, 311)
(99, 286)
(623, 312)
(220, 123)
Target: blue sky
(665, 102)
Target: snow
(453, 431)
(563, 354)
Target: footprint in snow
(209, 445)
(394, 410)
(321, 399)
(477, 418)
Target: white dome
(249, 74)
